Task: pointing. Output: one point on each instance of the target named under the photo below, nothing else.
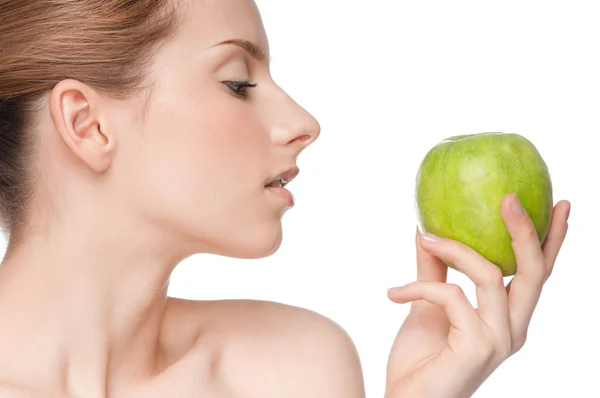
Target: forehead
(207, 22)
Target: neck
(82, 308)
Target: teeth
(277, 183)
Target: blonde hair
(107, 44)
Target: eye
(239, 88)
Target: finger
(450, 297)
(429, 267)
(555, 238)
(526, 286)
(492, 300)
(556, 234)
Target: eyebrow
(255, 51)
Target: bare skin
(125, 196)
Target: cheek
(218, 129)
(223, 145)
(204, 164)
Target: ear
(75, 111)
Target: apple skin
(460, 185)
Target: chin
(253, 246)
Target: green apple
(460, 185)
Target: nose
(295, 126)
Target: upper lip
(286, 176)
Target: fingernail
(392, 290)
(516, 206)
(569, 211)
(430, 237)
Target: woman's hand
(446, 348)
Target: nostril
(302, 138)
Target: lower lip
(282, 193)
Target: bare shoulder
(272, 349)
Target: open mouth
(283, 179)
(278, 183)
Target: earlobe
(77, 122)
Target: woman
(136, 134)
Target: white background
(388, 80)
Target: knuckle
(493, 277)
(535, 275)
(518, 342)
(548, 273)
(482, 351)
(491, 348)
(530, 233)
(538, 275)
(412, 284)
(455, 291)
(503, 348)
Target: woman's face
(208, 145)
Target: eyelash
(239, 88)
